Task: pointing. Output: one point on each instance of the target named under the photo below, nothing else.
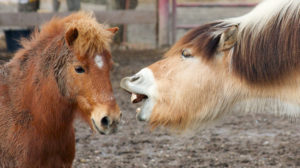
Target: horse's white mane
(267, 41)
(265, 12)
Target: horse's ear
(228, 38)
(113, 29)
(71, 36)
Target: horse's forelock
(203, 40)
(92, 37)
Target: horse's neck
(37, 97)
(282, 99)
(53, 114)
(51, 110)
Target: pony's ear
(113, 29)
(228, 38)
(71, 36)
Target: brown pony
(62, 70)
(250, 63)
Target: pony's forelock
(92, 36)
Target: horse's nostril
(135, 78)
(105, 121)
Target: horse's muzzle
(105, 119)
(106, 128)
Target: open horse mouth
(142, 88)
(136, 98)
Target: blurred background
(140, 32)
(149, 28)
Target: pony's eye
(79, 69)
(186, 53)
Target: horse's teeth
(133, 97)
(138, 110)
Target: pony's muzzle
(106, 122)
(106, 126)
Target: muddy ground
(238, 141)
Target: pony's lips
(96, 127)
(104, 131)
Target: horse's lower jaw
(144, 112)
(147, 101)
(142, 86)
(138, 117)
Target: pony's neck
(37, 97)
(52, 113)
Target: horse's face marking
(99, 61)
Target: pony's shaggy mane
(92, 36)
(267, 47)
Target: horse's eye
(79, 69)
(186, 53)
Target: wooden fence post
(163, 23)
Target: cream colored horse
(245, 64)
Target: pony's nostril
(135, 78)
(105, 121)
